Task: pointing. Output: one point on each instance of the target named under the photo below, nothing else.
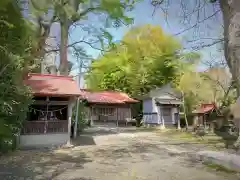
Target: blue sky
(142, 14)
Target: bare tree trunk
(64, 26)
(226, 21)
(231, 18)
(184, 110)
(78, 100)
(38, 50)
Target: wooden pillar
(163, 122)
(117, 116)
(157, 106)
(195, 121)
(204, 121)
(91, 115)
(130, 111)
(162, 119)
(158, 115)
(69, 116)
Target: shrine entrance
(47, 115)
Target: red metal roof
(48, 84)
(205, 108)
(107, 97)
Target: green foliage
(15, 99)
(82, 120)
(220, 87)
(145, 58)
(214, 85)
(111, 13)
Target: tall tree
(200, 13)
(145, 58)
(220, 87)
(231, 23)
(15, 46)
(73, 12)
(187, 80)
(230, 12)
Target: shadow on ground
(39, 165)
(86, 138)
(112, 158)
(101, 130)
(82, 178)
(143, 150)
(83, 140)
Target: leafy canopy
(70, 14)
(14, 45)
(145, 58)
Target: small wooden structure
(161, 106)
(108, 107)
(49, 118)
(203, 114)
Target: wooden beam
(39, 102)
(117, 116)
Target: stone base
(229, 161)
(43, 140)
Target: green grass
(176, 134)
(218, 167)
(215, 142)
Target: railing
(44, 127)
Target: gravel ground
(109, 155)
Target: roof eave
(57, 95)
(123, 102)
(107, 103)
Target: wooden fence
(44, 127)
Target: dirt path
(118, 156)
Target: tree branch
(75, 43)
(207, 38)
(3, 69)
(195, 25)
(208, 45)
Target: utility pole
(78, 100)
